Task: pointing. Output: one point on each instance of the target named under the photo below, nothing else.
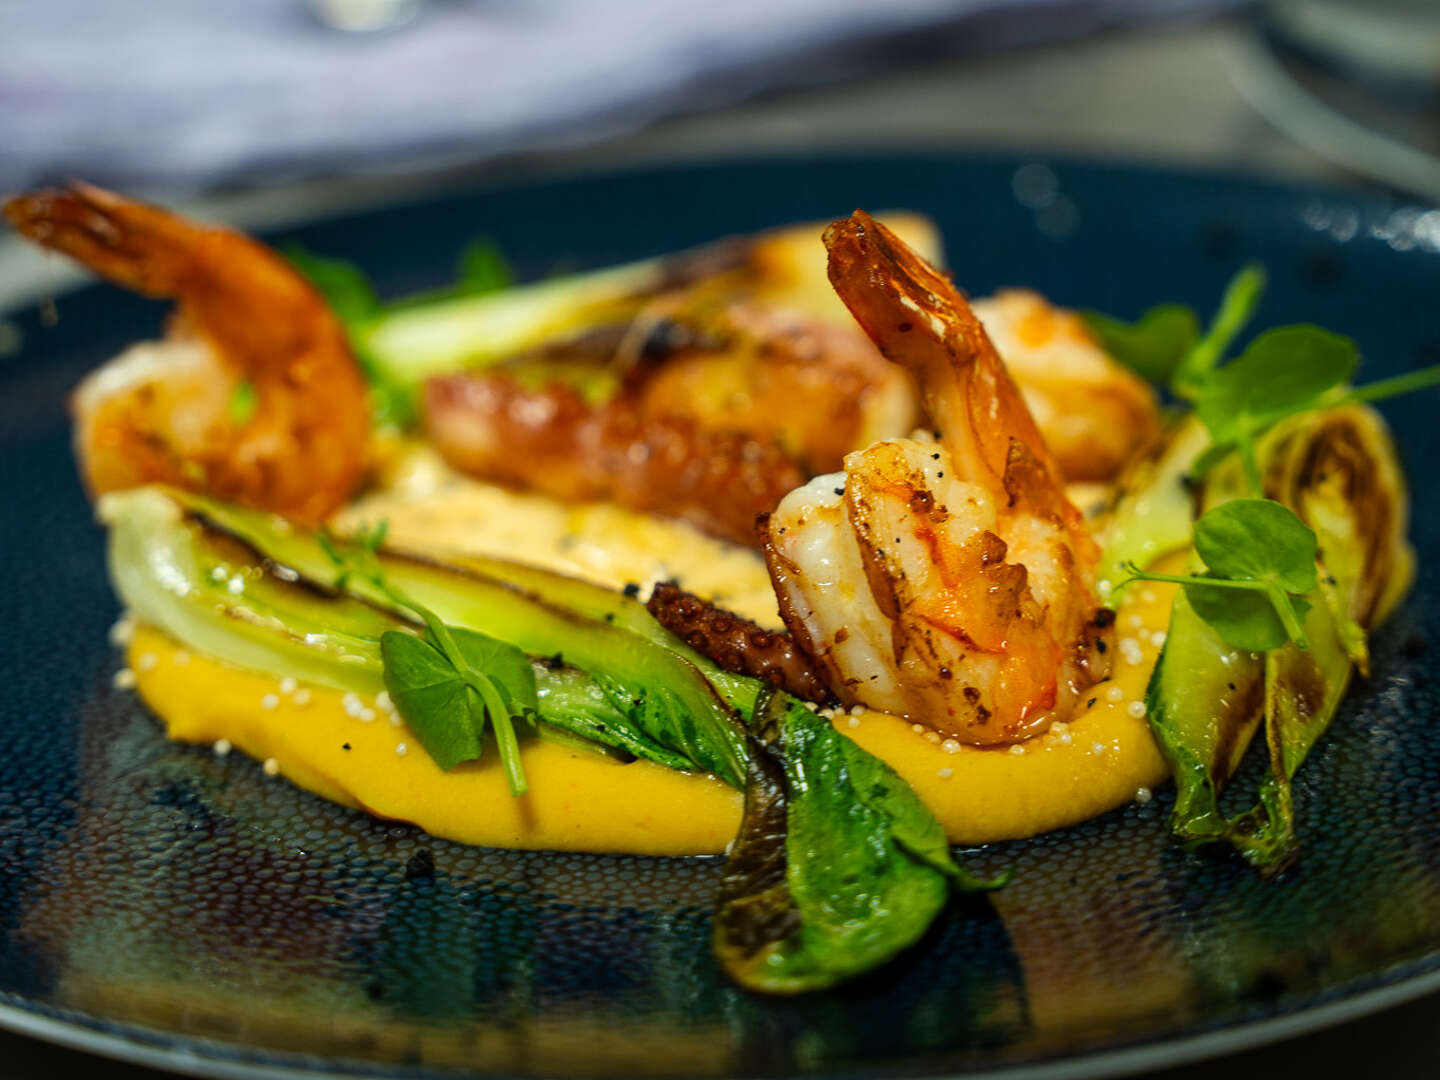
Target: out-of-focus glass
(1390, 43)
(365, 15)
(1357, 81)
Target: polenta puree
(358, 754)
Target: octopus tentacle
(737, 644)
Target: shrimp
(944, 578)
(1094, 413)
(163, 413)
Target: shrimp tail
(139, 247)
(922, 322)
(161, 414)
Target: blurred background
(268, 112)
(265, 111)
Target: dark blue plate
(162, 904)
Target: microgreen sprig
(449, 681)
(1283, 372)
(1286, 372)
(1260, 562)
(243, 403)
(1237, 308)
(481, 268)
(1154, 345)
(1165, 345)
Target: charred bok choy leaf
(486, 318)
(1153, 513)
(838, 865)
(229, 582)
(482, 318)
(1340, 473)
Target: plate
(165, 905)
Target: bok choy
(1298, 548)
(853, 868)
(228, 582)
(485, 318)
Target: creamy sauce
(580, 801)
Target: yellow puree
(580, 801)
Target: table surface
(1162, 97)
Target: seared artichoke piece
(1339, 472)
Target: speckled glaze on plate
(162, 904)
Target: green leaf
(480, 270)
(1282, 370)
(1154, 345)
(505, 665)
(445, 713)
(353, 300)
(483, 269)
(1237, 307)
(657, 715)
(838, 866)
(243, 403)
(1285, 371)
(343, 284)
(1258, 540)
(1258, 553)
(1246, 619)
(390, 402)
(576, 703)
(912, 826)
(446, 704)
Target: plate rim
(266, 222)
(139, 1045)
(206, 1056)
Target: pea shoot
(1154, 345)
(481, 268)
(1283, 372)
(449, 681)
(1237, 308)
(1260, 563)
(1165, 345)
(1279, 590)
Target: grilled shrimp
(1094, 413)
(163, 412)
(948, 580)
